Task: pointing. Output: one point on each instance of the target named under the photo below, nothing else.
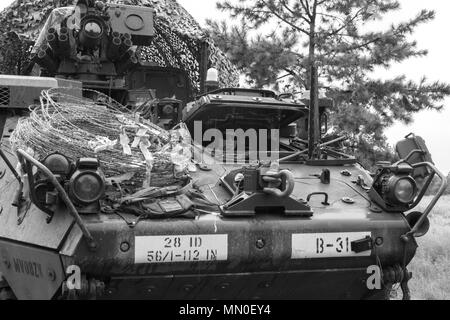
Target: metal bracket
(361, 183)
(325, 177)
(433, 202)
(362, 245)
(22, 211)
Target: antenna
(314, 114)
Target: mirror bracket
(413, 150)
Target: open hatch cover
(224, 112)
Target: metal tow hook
(404, 285)
(91, 289)
(285, 177)
(397, 274)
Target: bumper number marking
(327, 245)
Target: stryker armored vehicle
(301, 221)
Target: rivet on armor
(124, 246)
(260, 244)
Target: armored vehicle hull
(269, 256)
(251, 217)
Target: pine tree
(332, 38)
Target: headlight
(87, 185)
(402, 190)
(87, 188)
(394, 189)
(58, 164)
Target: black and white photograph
(218, 158)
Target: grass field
(431, 266)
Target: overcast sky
(434, 127)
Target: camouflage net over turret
(178, 42)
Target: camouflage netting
(178, 40)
